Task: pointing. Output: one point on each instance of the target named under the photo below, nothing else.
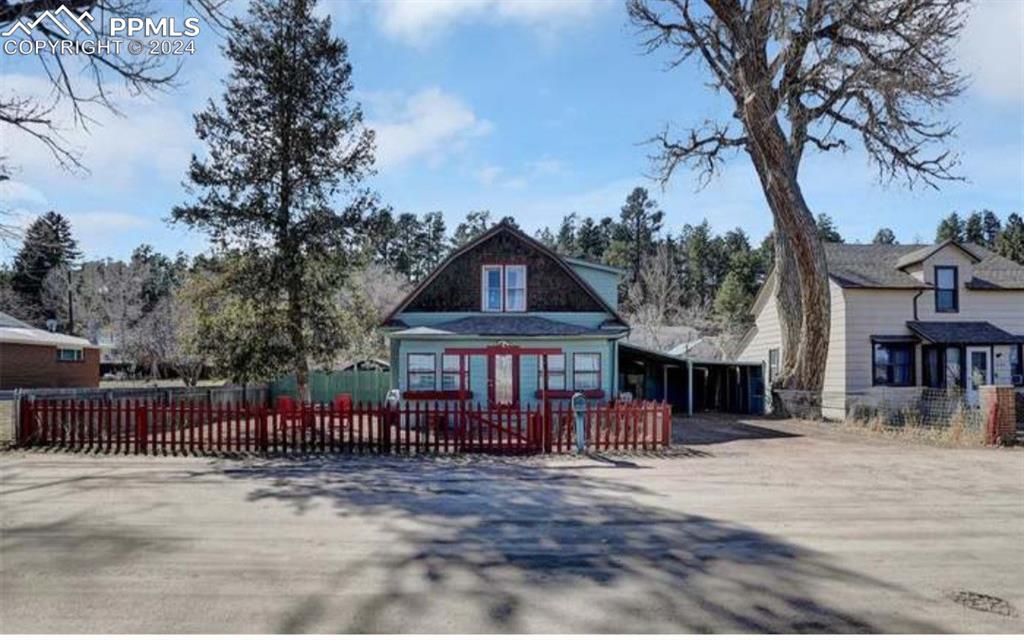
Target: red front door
(503, 378)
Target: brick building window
(70, 355)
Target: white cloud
(14, 193)
(118, 150)
(429, 124)
(493, 175)
(419, 23)
(992, 50)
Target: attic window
(503, 287)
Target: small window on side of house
(893, 364)
(586, 371)
(556, 372)
(515, 287)
(946, 290)
(451, 373)
(490, 287)
(70, 355)
(422, 372)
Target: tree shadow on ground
(717, 430)
(488, 545)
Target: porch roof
(518, 325)
(962, 333)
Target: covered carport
(690, 385)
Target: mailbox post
(579, 408)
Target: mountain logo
(55, 19)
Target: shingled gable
(553, 285)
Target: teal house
(500, 316)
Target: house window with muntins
(893, 364)
(450, 373)
(422, 372)
(586, 371)
(946, 294)
(556, 372)
(503, 287)
(70, 355)
(515, 287)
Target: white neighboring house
(908, 317)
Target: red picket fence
(413, 428)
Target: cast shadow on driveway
(490, 545)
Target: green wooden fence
(363, 386)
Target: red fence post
(666, 424)
(141, 429)
(25, 423)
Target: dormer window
(503, 287)
(946, 290)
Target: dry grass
(964, 429)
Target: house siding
(604, 282)
(768, 336)
(35, 367)
(549, 285)
(528, 377)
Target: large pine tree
(49, 244)
(279, 190)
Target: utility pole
(71, 306)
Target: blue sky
(530, 109)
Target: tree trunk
(298, 338)
(800, 257)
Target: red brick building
(32, 358)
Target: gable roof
(882, 266)
(922, 254)
(503, 227)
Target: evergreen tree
(280, 189)
(732, 302)
(1010, 243)
(592, 238)
(476, 222)
(974, 229)
(950, 228)
(565, 241)
(885, 236)
(991, 226)
(827, 230)
(49, 244)
(640, 222)
(546, 238)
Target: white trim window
(491, 286)
(70, 355)
(556, 372)
(515, 287)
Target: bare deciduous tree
(653, 298)
(81, 81)
(820, 74)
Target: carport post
(689, 387)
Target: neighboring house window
(422, 371)
(450, 373)
(515, 287)
(1016, 366)
(586, 371)
(954, 368)
(946, 295)
(893, 364)
(491, 287)
(556, 372)
(503, 288)
(70, 355)
(773, 364)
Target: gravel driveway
(747, 527)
